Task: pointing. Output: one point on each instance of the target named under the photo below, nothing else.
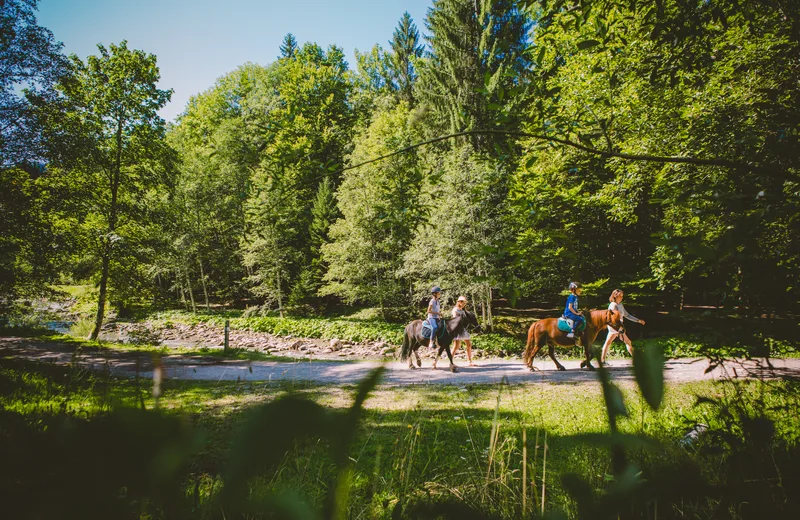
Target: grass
(415, 445)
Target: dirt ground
(126, 363)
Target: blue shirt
(573, 299)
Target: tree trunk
(109, 238)
(203, 279)
(489, 321)
(101, 301)
(189, 286)
(280, 299)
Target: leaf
(587, 44)
(540, 56)
(580, 491)
(614, 401)
(648, 367)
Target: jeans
(434, 326)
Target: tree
(697, 79)
(464, 243)
(303, 137)
(30, 61)
(217, 141)
(288, 46)
(475, 62)
(406, 49)
(109, 106)
(323, 215)
(380, 207)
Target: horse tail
(526, 355)
(406, 350)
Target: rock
(296, 345)
(381, 345)
(302, 348)
(335, 344)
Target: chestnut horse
(413, 338)
(546, 332)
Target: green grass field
(416, 448)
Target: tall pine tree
(289, 46)
(406, 48)
(476, 45)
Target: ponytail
(614, 295)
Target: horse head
(614, 319)
(471, 321)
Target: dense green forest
(647, 145)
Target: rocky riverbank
(203, 335)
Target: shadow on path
(129, 363)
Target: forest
(306, 205)
(501, 149)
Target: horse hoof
(561, 368)
(412, 367)
(453, 368)
(419, 363)
(589, 367)
(583, 364)
(533, 369)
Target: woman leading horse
(546, 332)
(413, 338)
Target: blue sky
(197, 41)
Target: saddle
(565, 325)
(426, 329)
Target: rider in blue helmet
(434, 313)
(571, 310)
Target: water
(62, 327)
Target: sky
(197, 41)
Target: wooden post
(227, 330)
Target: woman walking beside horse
(616, 305)
(460, 310)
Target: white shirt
(614, 306)
(434, 307)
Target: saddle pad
(565, 325)
(426, 330)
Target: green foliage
(476, 59)
(303, 133)
(31, 63)
(406, 51)
(654, 80)
(321, 328)
(380, 209)
(387, 455)
(462, 247)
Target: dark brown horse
(546, 332)
(413, 338)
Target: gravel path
(128, 363)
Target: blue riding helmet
(436, 289)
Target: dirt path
(128, 363)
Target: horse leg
(551, 349)
(535, 351)
(587, 349)
(419, 361)
(446, 348)
(410, 357)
